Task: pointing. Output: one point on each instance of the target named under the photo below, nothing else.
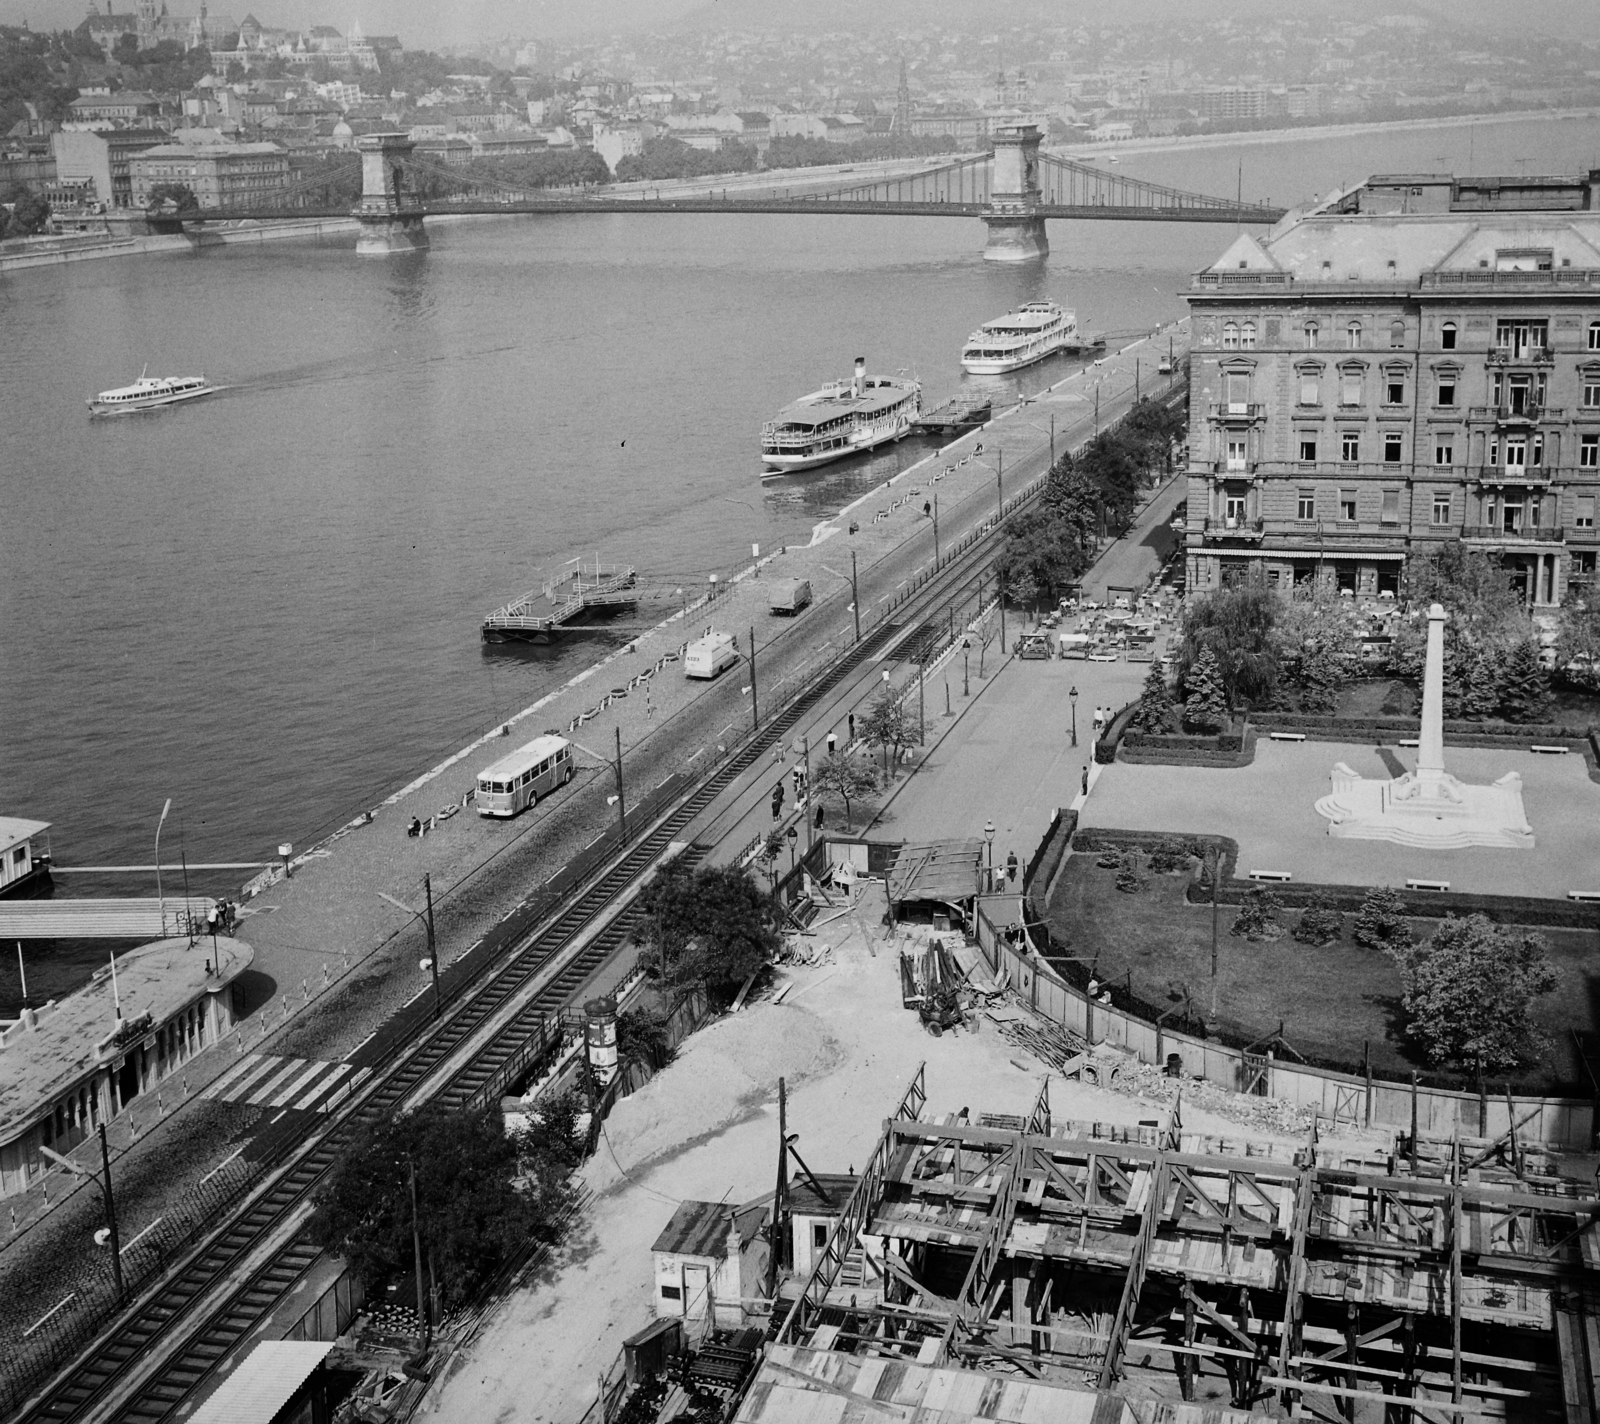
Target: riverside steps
(336, 976)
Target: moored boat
(843, 418)
(1019, 338)
(149, 392)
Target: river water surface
(265, 605)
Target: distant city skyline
(427, 25)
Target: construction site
(1442, 1280)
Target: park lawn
(1330, 999)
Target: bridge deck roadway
(1097, 212)
(331, 908)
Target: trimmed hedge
(1227, 750)
(1532, 911)
(1407, 726)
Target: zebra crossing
(265, 1080)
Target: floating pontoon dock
(557, 604)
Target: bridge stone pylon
(1016, 231)
(389, 213)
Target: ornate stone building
(1415, 361)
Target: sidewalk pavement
(1008, 757)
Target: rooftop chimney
(859, 383)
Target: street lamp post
(1072, 697)
(104, 1178)
(988, 857)
(160, 900)
(966, 667)
(936, 529)
(793, 836)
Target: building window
(1589, 452)
(1444, 452)
(1581, 570)
(1352, 336)
(1230, 336)
(1306, 505)
(819, 1236)
(1591, 391)
(671, 1293)
(1583, 512)
(1521, 337)
(1447, 336)
(1393, 447)
(1391, 506)
(1350, 388)
(1308, 450)
(1394, 391)
(1312, 333)
(1247, 336)
(1397, 333)
(1594, 335)
(1447, 388)
(1347, 506)
(1350, 447)
(1309, 393)
(1441, 507)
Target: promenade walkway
(335, 959)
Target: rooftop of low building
(53, 1047)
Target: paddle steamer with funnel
(843, 418)
(1019, 338)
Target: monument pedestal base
(1427, 810)
(1016, 239)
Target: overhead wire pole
(622, 804)
(755, 708)
(855, 595)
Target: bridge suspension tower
(389, 212)
(1016, 228)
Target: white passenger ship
(1019, 338)
(843, 418)
(148, 392)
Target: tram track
(264, 1240)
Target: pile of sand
(727, 1071)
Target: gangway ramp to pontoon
(144, 919)
(559, 602)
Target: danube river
(265, 605)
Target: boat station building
(70, 1065)
(23, 869)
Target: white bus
(520, 778)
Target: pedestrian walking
(777, 800)
(1011, 867)
(1086, 781)
(852, 736)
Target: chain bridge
(1013, 191)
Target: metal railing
(1237, 410)
(1528, 534)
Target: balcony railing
(1229, 412)
(1583, 534)
(1236, 470)
(1504, 414)
(1234, 528)
(1519, 475)
(1539, 534)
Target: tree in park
(1236, 625)
(1381, 920)
(1320, 923)
(1205, 709)
(1578, 643)
(1130, 873)
(1155, 712)
(710, 925)
(481, 1196)
(1469, 993)
(1258, 916)
(1524, 685)
(844, 778)
(22, 213)
(177, 198)
(887, 726)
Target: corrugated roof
(936, 870)
(263, 1383)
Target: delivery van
(710, 656)
(789, 596)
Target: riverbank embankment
(336, 958)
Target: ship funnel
(860, 381)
